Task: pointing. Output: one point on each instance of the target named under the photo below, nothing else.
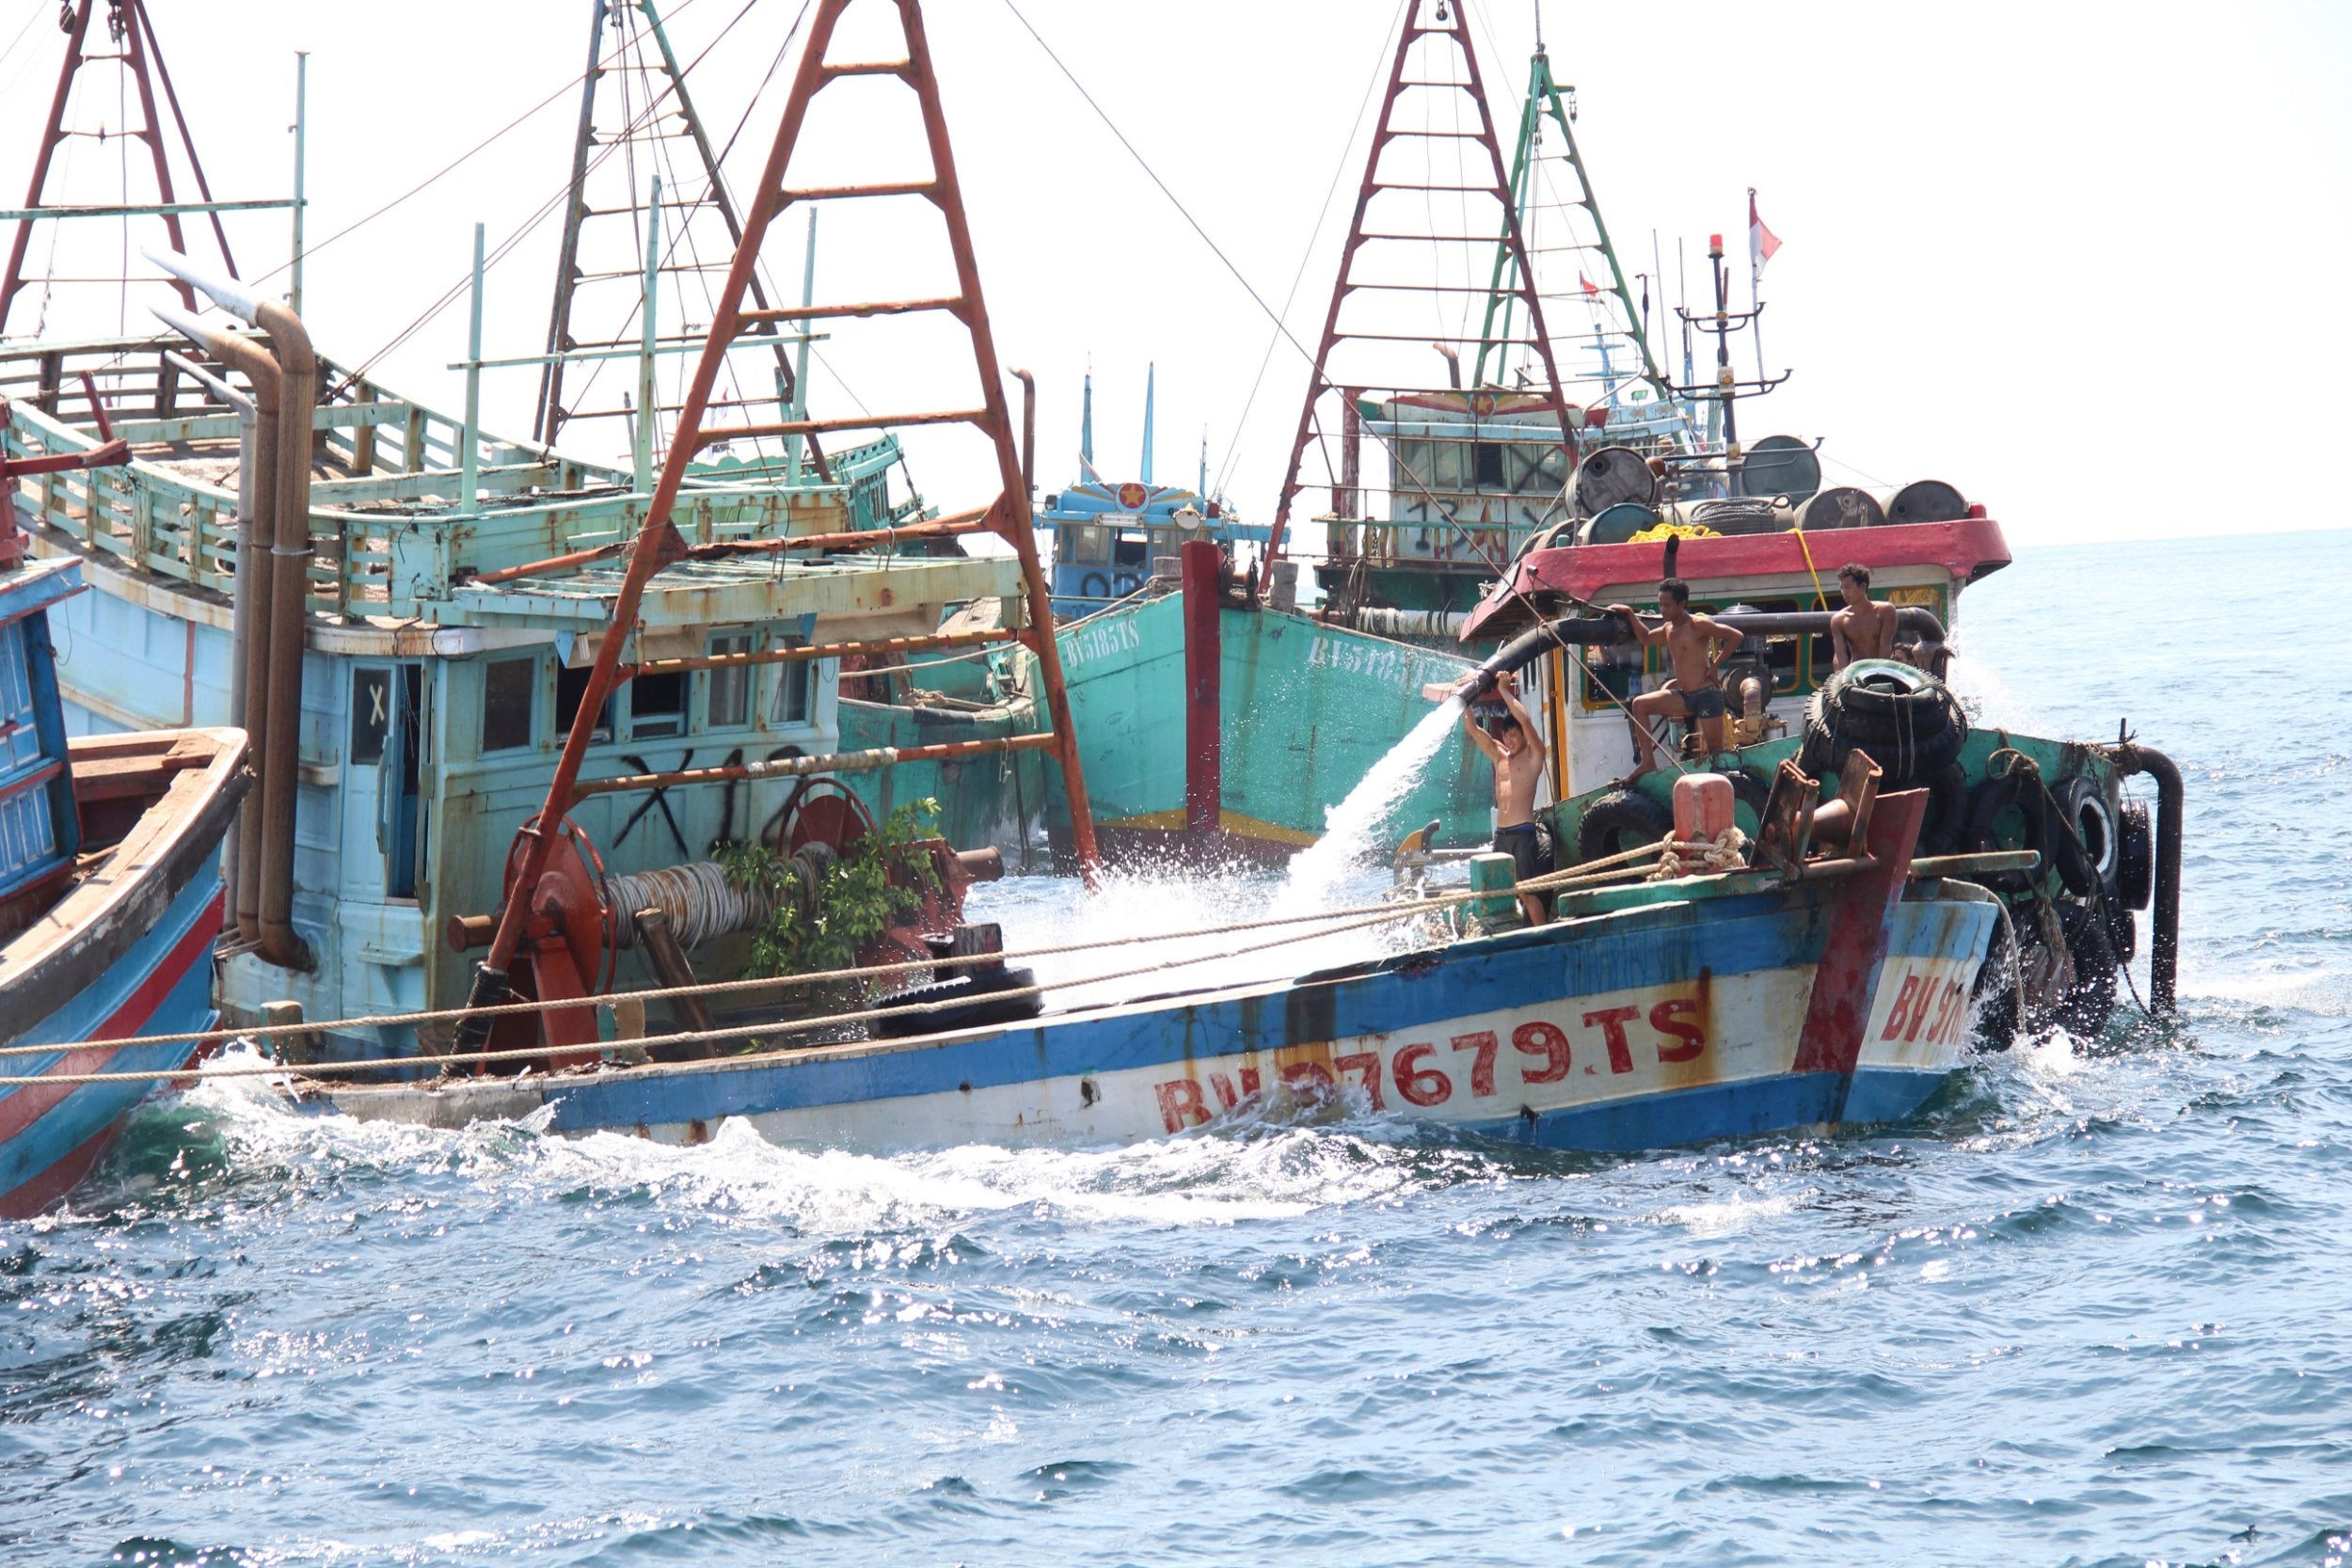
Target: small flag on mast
(1590, 287)
(1762, 242)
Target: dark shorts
(1706, 703)
(1529, 847)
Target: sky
(2073, 259)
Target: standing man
(1864, 629)
(1695, 692)
(1518, 761)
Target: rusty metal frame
(659, 543)
(143, 59)
(1453, 26)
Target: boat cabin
(1106, 537)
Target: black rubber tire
(1882, 687)
(2084, 1011)
(1751, 787)
(1945, 831)
(1998, 1008)
(1987, 800)
(1832, 733)
(2084, 807)
(963, 1002)
(2135, 857)
(1619, 820)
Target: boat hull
(126, 952)
(1307, 710)
(1680, 1022)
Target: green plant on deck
(853, 900)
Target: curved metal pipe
(288, 572)
(1603, 630)
(2164, 945)
(248, 706)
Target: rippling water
(2091, 1308)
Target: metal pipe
(248, 652)
(837, 762)
(290, 552)
(301, 136)
(1028, 434)
(469, 439)
(2163, 946)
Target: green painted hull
(983, 801)
(1308, 709)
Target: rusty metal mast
(1446, 31)
(134, 50)
(659, 543)
(634, 75)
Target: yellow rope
(1817, 591)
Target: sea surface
(2093, 1307)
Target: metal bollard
(1495, 874)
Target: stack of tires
(1909, 724)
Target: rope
(749, 1031)
(1725, 851)
(1819, 592)
(697, 897)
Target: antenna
(1151, 377)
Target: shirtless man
(1518, 761)
(1864, 629)
(1694, 692)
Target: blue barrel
(1616, 524)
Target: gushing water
(1350, 827)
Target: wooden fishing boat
(110, 901)
(1834, 994)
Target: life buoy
(1094, 585)
(1620, 820)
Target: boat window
(792, 703)
(370, 715)
(730, 701)
(657, 706)
(1611, 672)
(1085, 544)
(1487, 464)
(507, 688)
(571, 686)
(1133, 552)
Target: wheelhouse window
(792, 687)
(729, 701)
(657, 706)
(508, 687)
(370, 715)
(571, 689)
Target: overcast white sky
(2076, 258)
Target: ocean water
(2093, 1307)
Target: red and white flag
(1591, 287)
(1762, 242)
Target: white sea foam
(1351, 829)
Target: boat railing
(173, 512)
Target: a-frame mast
(1543, 104)
(659, 543)
(651, 90)
(1443, 28)
(134, 51)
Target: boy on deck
(1518, 761)
(1695, 692)
(1863, 628)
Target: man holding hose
(1518, 755)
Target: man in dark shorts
(1518, 756)
(1695, 692)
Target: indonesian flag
(1762, 242)
(1593, 288)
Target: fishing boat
(402, 608)
(110, 897)
(1825, 983)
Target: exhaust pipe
(287, 610)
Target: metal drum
(1927, 500)
(1736, 514)
(1841, 506)
(1616, 524)
(1609, 476)
(1781, 466)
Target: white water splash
(1351, 828)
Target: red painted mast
(659, 543)
(135, 52)
(1409, 228)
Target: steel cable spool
(699, 899)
